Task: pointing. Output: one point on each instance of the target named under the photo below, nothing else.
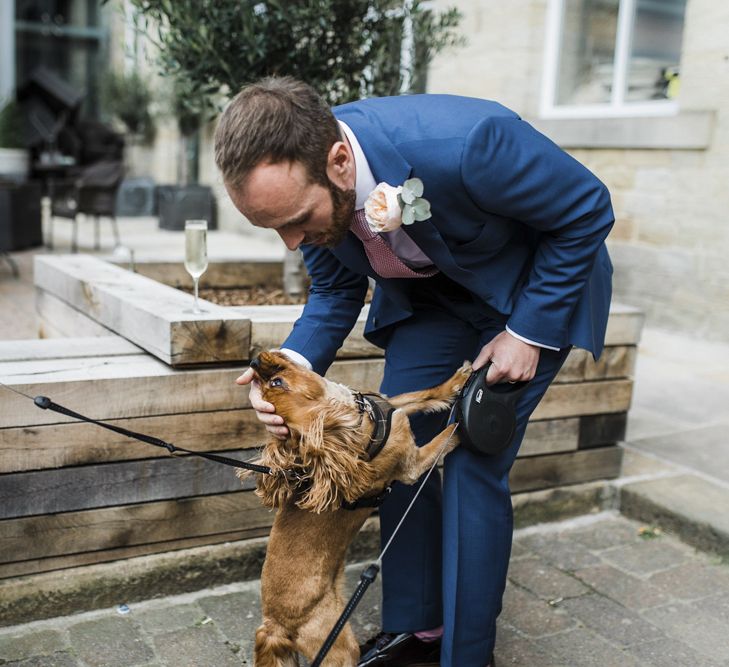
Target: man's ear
(340, 165)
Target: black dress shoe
(398, 650)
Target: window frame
(618, 107)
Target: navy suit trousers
(449, 560)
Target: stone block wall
(671, 237)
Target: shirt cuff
(530, 342)
(297, 358)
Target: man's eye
(276, 382)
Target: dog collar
(380, 411)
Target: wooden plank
(111, 484)
(115, 388)
(599, 430)
(546, 437)
(585, 398)
(144, 311)
(66, 348)
(38, 565)
(543, 472)
(226, 274)
(132, 525)
(144, 387)
(56, 319)
(614, 362)
(624, 325)
(270, 325)
(74, 444)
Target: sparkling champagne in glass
(196, 254)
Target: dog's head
(327, 437)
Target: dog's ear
(330, 452)
(274, 489)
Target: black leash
(46, 403)
(365, 579)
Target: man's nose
(291, 238)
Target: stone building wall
(670, 244)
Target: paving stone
(717, 606)
(665, 652)
(582, 648)
(512, 649)
(692, 625)
(606, 534)
(366, 620)
(518, 550)
(237, 615)
(559, 550)
(18, 647)
(532, 616)
(624, 588)
(53, 660)
(110, 642)
(647, 556)
(543, 580)
(610, 620)
(169, 618)
(693, 580)
(198, 647)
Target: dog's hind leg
(435, 398)
(274, 647)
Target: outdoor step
(690, 506)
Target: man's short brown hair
(276, 119)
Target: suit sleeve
(510, 169)
(336, 297)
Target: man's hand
(512, 360)
(266, 412)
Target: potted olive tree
(346, 49)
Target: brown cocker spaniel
(301, 582)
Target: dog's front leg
(435, 398)
(422, 458)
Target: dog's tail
(274, 646)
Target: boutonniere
(388, 206)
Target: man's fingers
(246, 377)
(280, 432)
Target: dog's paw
(460, 376)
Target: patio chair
(93, 193)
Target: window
(612, 57)
(67, 37)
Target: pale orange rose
(382, 209)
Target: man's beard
(343, 202)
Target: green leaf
(408, 215)
(407, 195)
(414, 185)
(421, 209)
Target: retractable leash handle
(487, 414)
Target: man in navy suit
(510, 268)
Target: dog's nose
(255, 364)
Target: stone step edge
(646, 501)
(85, 588)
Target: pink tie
(382, 259)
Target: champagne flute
(196, 255)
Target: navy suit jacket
(515, 220)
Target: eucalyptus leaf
(421, 209)
(414, 185)
(407, 195)
(408, 215)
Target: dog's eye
(276, 382)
